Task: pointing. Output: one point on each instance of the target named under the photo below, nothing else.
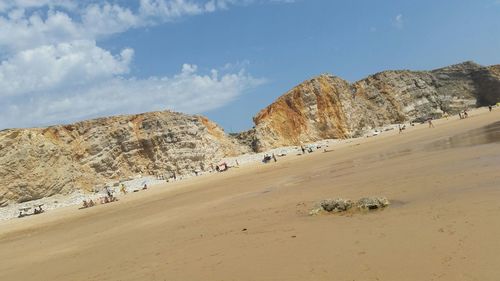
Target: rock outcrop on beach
(330, 107)
(340, 205)
(41, 162)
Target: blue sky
(65, 60)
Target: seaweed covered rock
(340, 205)
(336, 205)
(372, 203)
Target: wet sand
(252, 223)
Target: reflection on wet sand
(484, 135)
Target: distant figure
(274, 158)
(303, 149)
(400, 129)
(38, 211)
(145, 187)
(430, 123)
(108, 192)
(465, 114)
(490, 107)
(266, 159)
(88, 204)
(122, 189)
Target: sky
(63, 61)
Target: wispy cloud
(399, 21)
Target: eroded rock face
(45, 161)
(330, 107)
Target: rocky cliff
(41, 162)
(330, 107)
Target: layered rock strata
(330, 107)
(41, 162)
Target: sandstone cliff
(330, 107)
(42, 162)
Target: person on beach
(266, 158)
(400, 129)
(122, 189)
(274, 158)
(303, 149)
(145, 187)
(430, 123)
(490, 107)
(38, 211)
(465, 114)
(110, 195)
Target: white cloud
(52, 69)
(23, 26)
(399, 21)
(27, 24)
(187, 91)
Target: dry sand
(252, 223)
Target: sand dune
(252, 223)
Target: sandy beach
(253, 223)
